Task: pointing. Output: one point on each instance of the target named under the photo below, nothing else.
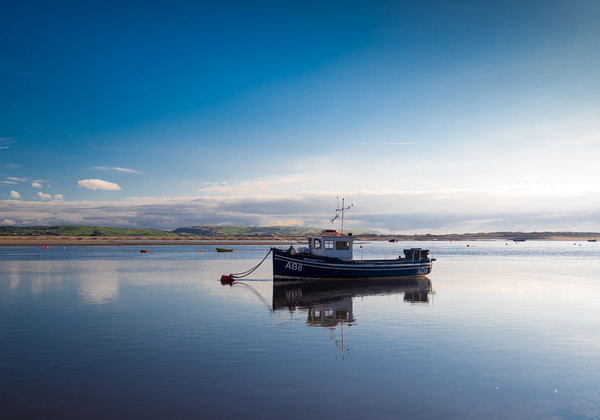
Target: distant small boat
(144, 250)
(592, 240)
(224, 249)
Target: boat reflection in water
(329, 303)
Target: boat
(224, 249)
(329, 256)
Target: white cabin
(330, 243)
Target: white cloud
(586, 139)
(58, 197)
(8, 222)
(44, 196)
(13, 178)
(5, 142)
(98, 184)
(407, 211)
(15, 195)
(268, 186)
(116, 168)
(36, 185)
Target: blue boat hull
(293, 267)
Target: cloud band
(98, 184)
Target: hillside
(74, 230)
(508, 236)
(233, 232)
(219, 231)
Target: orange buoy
(200, 250)
(45, 246)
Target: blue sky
(429, 116)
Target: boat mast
(342, 209)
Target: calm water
(498, 330)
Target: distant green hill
(221, 231)
(73, 230)
(270, 231)
(245, 231)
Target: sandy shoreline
(125, 241)
(138, 241)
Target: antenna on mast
(342, 210)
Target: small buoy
(45, 246)
(227, 279)
(467, 245)
(200, 250)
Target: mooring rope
(248, 272)
(257, 293)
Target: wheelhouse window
(328, 244)
(317, 244)
(342, 245)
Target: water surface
(497, 330)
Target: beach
(250, 240)
(131, 240)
